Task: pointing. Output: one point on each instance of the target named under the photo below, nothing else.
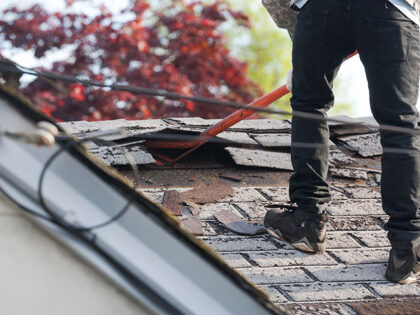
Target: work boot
(303, 231)
(403, 265)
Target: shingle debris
(236, 224)
(205, 194)
(260, 158)
(276, 140)
(354, 126)
(192, 225)
(193, 207)
(172, 201)
(368, 145)
(115, 157)
(340, 158)
(348, 173)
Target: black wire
(53, 217)
(27, 209)
(63, 222)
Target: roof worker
(386, 35)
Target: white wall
(40, 276)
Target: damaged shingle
(235, 223)
(256, 125)
(240, 137)
(172, 201)
(366, 145)
(77, 127)
(354, 126)
(260, 158)
(348, 173)
(276, 140)
(192, 225)
(115, 157)
(340, 158)
(206, 194)
(193, 207)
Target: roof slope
(357, 248)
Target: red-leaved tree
(180, 48)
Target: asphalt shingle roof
(352, 269)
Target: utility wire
(52, 215)
(10, 66)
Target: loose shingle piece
(366, 145)
(172, 201)
(192, 225)
(235, 223)
(277, 140)
(260, 158)
(274, 140)
(239, 137)
(337, 157)
(207, 194)
(353, 126)
(115, 157)
(348, 173)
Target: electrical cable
(53, 217)
(7, 65)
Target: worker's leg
(388, 43)
(320, 44)
(319, 47)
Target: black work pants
(388, 43)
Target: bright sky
(352, 72)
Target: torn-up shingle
(193, 207)
(370, 121)
(172, 201)
(206, 194)
(255, 125)
(354, 126)
(240, 137)
(344, 120)
(267, 125)
(148, 124)
(192, 225)
(274, 140)
(277, 140)
(260, 158)
(194, 122)
(77, 127)
(111, 124)
(366, 145)
(361, 192)
(115, 157)
(235, 223)
(348, 173)
(337, 157)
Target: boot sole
(301, 244)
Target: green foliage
(267, 50)
(264, 47)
